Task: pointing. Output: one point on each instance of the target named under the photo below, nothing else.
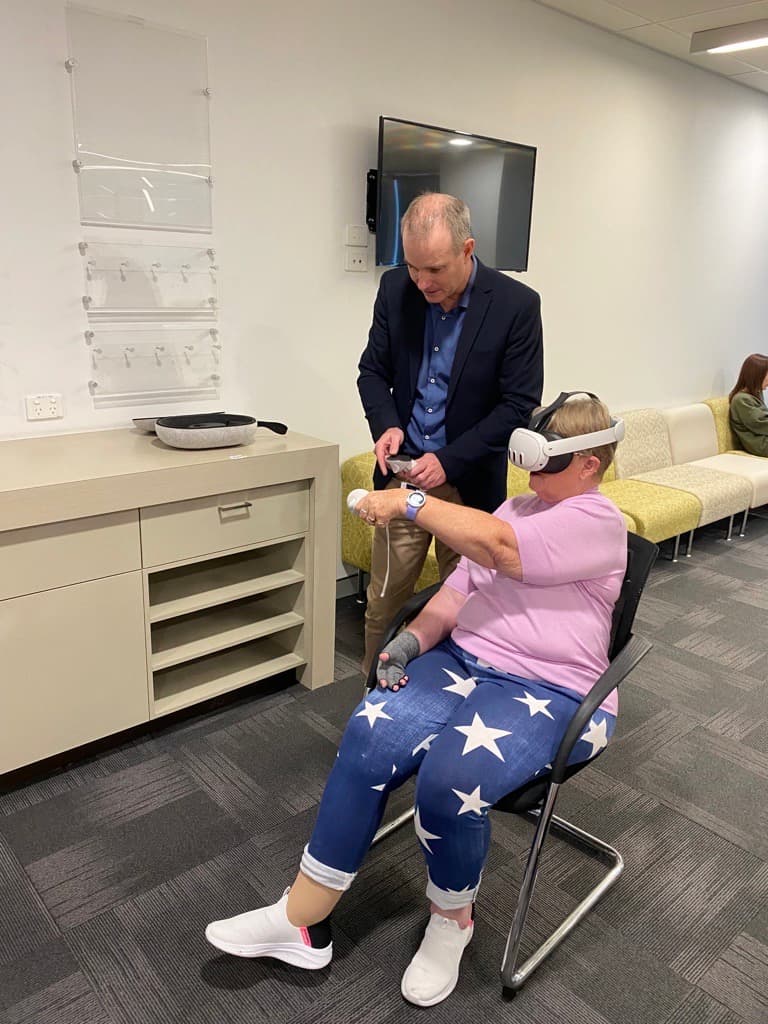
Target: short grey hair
(435, 209)
(585, 415)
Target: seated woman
(475, 696)
(748, 412)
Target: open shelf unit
(225, 621)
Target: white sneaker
(432, 974)
(268, 932)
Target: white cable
(386, 576)
(353, 500)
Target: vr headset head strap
(541, 417)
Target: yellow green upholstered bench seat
(720, 495)
(658, 512)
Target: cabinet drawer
(218, 522)
(44, 557)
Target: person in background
(453, 364)
(475, 695)
(748, 411)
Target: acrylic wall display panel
(141, 281)
(141, 365)
(140, 106)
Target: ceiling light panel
(751, 33)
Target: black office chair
(536, 800)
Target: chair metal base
(513, 977)
(393, 826)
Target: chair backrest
(646, 443)
(726, 439)
(692, 433)
(641, 554)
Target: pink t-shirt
(555, 624)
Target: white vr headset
(538, 450)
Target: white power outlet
(356, 258)
(44, 407)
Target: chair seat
(658, 512)
(721, 494)
(742, 464)
(532, 794)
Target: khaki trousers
(408, 546)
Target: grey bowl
(146, 424)
(206, 437)
(211, 429)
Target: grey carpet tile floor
(111, 866)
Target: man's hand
(388, 444)
(426, 472)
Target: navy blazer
(495, 383)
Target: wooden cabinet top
(69, 476)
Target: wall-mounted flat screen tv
(494, 178)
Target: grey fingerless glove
(404, 648)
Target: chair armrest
(407, 613)
(625, 661)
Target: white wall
(650, 230)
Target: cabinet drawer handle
(231, 508)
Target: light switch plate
(356, 234)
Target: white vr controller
(355, 497)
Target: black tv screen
(494, 178)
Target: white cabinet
(74, 667)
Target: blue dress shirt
(426, 429)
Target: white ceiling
(667, 25)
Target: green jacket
(749, 420)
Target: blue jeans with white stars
(473, 734)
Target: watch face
(416, 499)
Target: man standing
(453, 365)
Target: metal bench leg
(729, 531)
(360, 596)
(743, 528)
(689, 545)
(514, 977)
(676, 549)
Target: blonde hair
(584, 415)
(434, 209)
